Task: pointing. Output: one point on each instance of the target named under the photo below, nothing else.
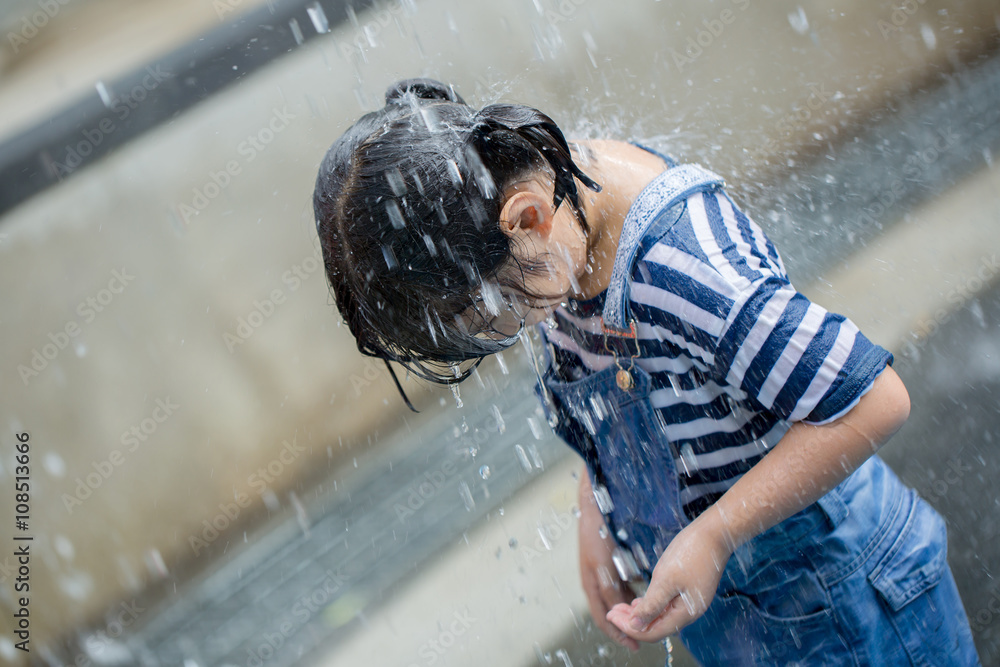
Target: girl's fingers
(647, 608)
(611, 597)
(675, 616)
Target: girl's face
(551, 249)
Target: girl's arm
(807, 462)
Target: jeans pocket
(922, 605)
(915, 561)
(754, 636)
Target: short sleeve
(795, 358)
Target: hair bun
(425, 89)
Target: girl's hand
(598, 574)
(683, 584)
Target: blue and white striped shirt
(735, 353)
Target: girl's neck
(623, 170)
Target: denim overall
(858, 578)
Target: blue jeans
(858, 578)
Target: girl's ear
(526, 212)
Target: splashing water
(318, 18)
(501, 425)
(522, 458)
(390, 257)
(102, 91)
(466, 494)
(293, 25)
(799, 21)
(395, 215)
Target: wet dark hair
(407, 206)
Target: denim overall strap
(671, 187)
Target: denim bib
(610, 421)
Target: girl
(728, 424)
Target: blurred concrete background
(170, 346)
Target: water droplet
(455, 174)
(625, 564)
(105, 95)
(63, 547)
(603, 499)
(484, 180)
(501, 425)
(54, 464)
(512, 543)
(390, 258)
(535, 428)
(688, 459)
(501, 363)
(927, 33)
(799, 21)
(522, 458)
(300, 512)
(466, 494)
(484, 472)
(395, 215)
(396, 182)
(432, 249)
(318, 18)
(296, 31)
(544, 538)
(535, 457)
